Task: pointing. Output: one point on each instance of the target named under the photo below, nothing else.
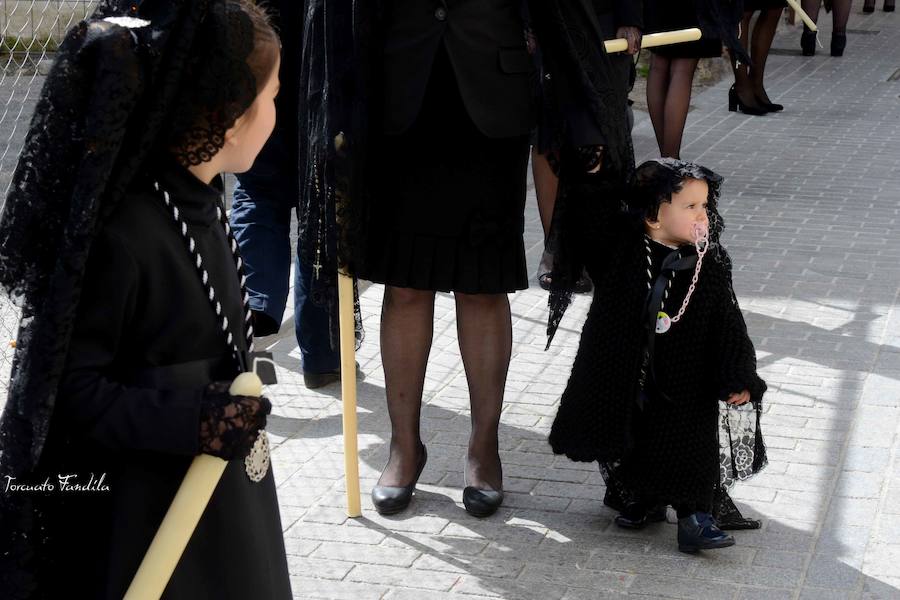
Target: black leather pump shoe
(481, 503)
(389, 500)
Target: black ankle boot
(808, 42)
(838, 43)
(769, 106)
(869, 6)
(389, 500)
(636, 516)
(699, 532)
(888, 6)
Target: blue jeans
(260, 217)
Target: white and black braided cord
(211, 295)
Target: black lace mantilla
(222, 85)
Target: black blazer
(485, 42)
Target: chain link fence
(31, 31)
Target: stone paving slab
(812, 202)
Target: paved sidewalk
(811, 202)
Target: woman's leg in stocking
(407, 324)
(742, 86)
(840, 14)
(761, 43)
(484, 327)
(811, 7)
(657, 90)
(678, 102)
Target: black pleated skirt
(449, 208)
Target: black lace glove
(229, 425)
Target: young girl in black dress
(663, 344)
(134, 317)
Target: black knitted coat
(668, 451)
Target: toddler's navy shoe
(700, 532)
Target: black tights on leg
(742, 86)
(760, 44)
(840, 12)
(484, 327)
(407, 325)
(669, 99)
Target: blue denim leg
(311, 325)
(260, 218)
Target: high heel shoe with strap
(735, 104)
(389, 500)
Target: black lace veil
(130, 82)
(339, 77)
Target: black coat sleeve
(91, 402)
(735, 352)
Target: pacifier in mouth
(700, 232)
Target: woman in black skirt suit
(748, 94)
(672, 70)
(458, 110)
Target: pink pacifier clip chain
(701, 242)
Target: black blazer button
(440, 13)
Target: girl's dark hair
(266, 44)
(235, 52)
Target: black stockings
(840, 13)
(484, 327)
(668, 99)
(407, 325)
(749, 81)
